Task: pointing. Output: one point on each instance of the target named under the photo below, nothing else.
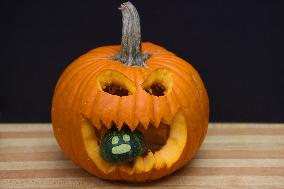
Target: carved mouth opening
(165, 145)
(155, 137)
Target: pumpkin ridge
(76, 71)
(65, 74)
(134, 120)
(180, 95)
(76, 101)
(195, 119)
(70, 114)
(171, 107)
(105, 52)
(61, 87)
(157, 115)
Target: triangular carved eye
(159, 82)
(115, 83)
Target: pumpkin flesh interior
(164, 156)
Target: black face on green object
(122, 146)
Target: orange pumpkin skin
(78, 96)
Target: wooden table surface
(232, 156)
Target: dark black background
(237, 47)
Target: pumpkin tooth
(96, 122)
(145, 123)
(119, 125)
(159, 161)
(98, 126)
(138, 164)
(149, 161)
(170, 156)
(130, 124)
(107, 123)
(132, 128)
(136, 123)
(157, 122)
(125, 170)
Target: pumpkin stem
(130, 51)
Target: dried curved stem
(130, 51)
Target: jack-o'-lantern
(132, 112)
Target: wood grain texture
(233, 156)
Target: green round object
(122, 146)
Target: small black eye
(114, 140)
(126, 138)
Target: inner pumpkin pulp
(165, 145)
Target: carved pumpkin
(132, 112)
